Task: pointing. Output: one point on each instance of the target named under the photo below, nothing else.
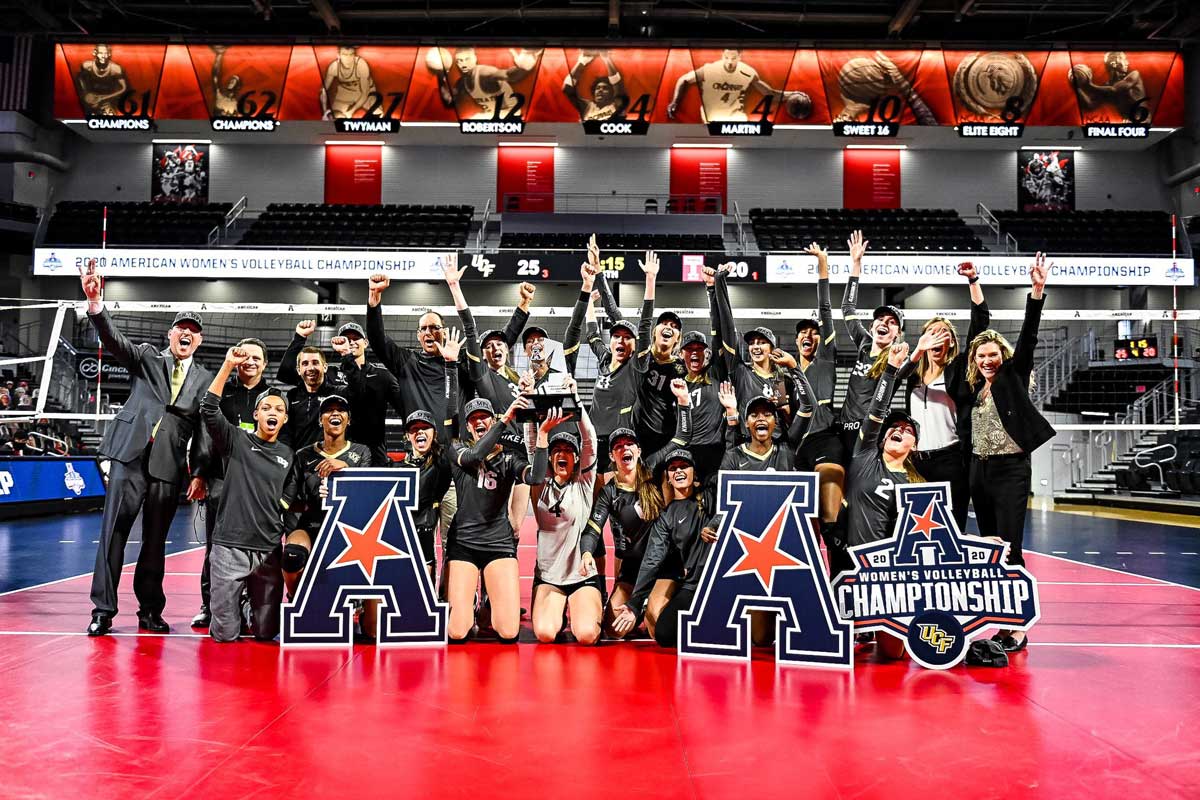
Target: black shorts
(671, 569)
(474, 555)
(425, 537)
(822, 447)
(596, 582)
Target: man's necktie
(176, 385)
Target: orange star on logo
(762, 555)
(925, 523)
(364, 547)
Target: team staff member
(562, 501)
(148, 443)
(682, 535)
(938, 398)
(423, 382)
(881, 460)
(614, 395)
(1004, 427)
(630, 503)
(370, 389)
(247, 550)
(304, 368)
(482, 539)
(237, 406)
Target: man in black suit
(154, 443)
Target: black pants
(708, 459)
(131, 490)
(666, 630)
(1000, 491)
(210, 525)
(948, 464)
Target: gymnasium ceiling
(1153, 22)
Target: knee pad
(294, 557)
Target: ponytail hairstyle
(987, 337)
(881, 362)
(649, 496)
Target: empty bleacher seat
(1104, 231)
(315, 224)
(899, 229)
(80, 222)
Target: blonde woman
(1004, 427)
(938, 399)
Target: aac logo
(933, 585)
(367, 550)
(766, 558)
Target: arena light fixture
(73, 121)
(528, 144)
(1050, 147)
(702, 145)
(1163, 130)
(428, 124)
(803, 127)
(876, 147)
(181, 141)
(364, 142)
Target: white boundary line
(1116, 644)
(1117, 571)
(87, 574)
(1092, 583)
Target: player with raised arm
(247, 548)
(562, 502)
(482, 540)
(608, 96)
(658, 364)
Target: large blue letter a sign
(367, 550)
(766, 558)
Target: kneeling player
(246, 549)
(312, 466)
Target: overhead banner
(871, 179)
(179, 173)
(562, 266)
(152, 262)
(497, 89)
(354, 174)
(525, 179)
(999, 270)
(1046, 180)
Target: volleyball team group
(670, 409)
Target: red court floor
(1103, 704)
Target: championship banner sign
(932, 585)
(997, 270)
(238, 263)
(367, 549)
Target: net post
(51, 349)
(1175, 319)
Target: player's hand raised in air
(305, 327)
(898, 354)
(451, 345)
(376, 285)
(679, 388)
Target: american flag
(16, 54)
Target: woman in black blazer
(938, 398)
(1003, 428)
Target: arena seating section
(613, 241)
(18, 212)
(1140, 232)
(1107, 390)
(79, 222)
(314, 224)
(900, 229)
